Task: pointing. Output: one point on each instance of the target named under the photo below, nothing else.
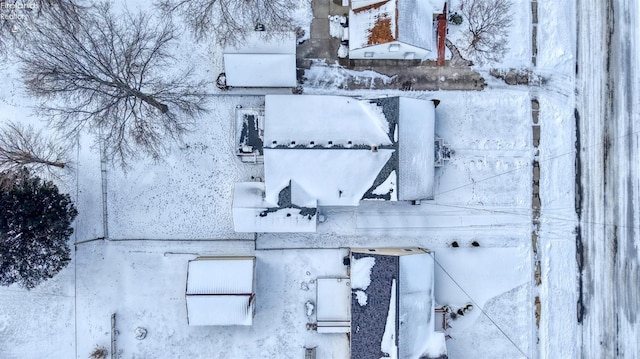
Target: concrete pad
(320, 8)
(320, 29)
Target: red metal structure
(442, 35)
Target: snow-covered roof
(262, 60)
(416, 336)
(356, 4)
(220, 291)
(333, 299)
(220, 276)
(336, 151)
(334, 177)
(400, 297)
(373, 24)
(416, 140)
(219, 310)
(407, 21)
(320, 119)
(415, 23)
(251, 213)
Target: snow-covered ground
(147, 290)
(170, 212)
(518, 48)
(188, 195)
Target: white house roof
(220, 276)
(416, 138)
(356, 4)
(415, 23)
(417, 338)
(333, 300)
(263, 60)
(251, 213)
(250, 195)
(407, 21)
(336, 151)
(321, 119)
(335, 177)
(220, 291)
(219, 310)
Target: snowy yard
(165, 214)
(188, 195)
(285, 282)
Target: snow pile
(361, 297)
(310, 308)
(361, 272)
(388, 344)
(303, 15)
(343, 51)
(361, 277)
(324, 76)
(336, 26)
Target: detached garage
(221, 291)
(262, 60)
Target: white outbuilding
(264, 59)
(221, 291)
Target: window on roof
(394, 48)
(368, 54)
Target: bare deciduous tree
(23, 146)
(487, 23)
(231, 20)
(112, 76)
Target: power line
(559, 219)
(479, 307)
(573, 152)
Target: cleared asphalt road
(608, 119)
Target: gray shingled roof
(368, 321)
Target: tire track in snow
(608, 108)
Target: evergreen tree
(35, 225)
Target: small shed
(221, 291)
(333, 310)
(264, 59)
